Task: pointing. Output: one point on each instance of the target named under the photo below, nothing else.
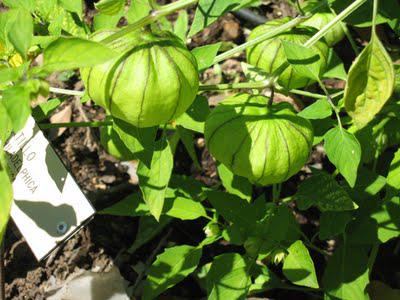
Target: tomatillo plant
(330, 151)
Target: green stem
(329, 99)
(66, 92)
(314, 95)
(340, 17)
(311, 245)
(287, 200)
(233, 86)
(374, 14)
(269, 34)
(151, 18)
(75, 124)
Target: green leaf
(208, 11)
(335, 67)
(138, 10)
(188, 187)
(320, 109)
(388, 218)
(205, 55)
(170, 267)
(5, 125)
(234, 184)
(112, 143)
(181, 25)
(232, 208)
(148, 229)
(139, 141)
(333, 223)
(196, 115)
(370, 83)
(330, 196)
(44, 110)
(6, 194)
(362, 230)
(62, 54)
(74, 6)
(228, 277)
(11, 74)
(102, 21)
(265, 281)
(393, 177)
(187, 138)
(17, 103)
(344, 151)
(387, 10)
(110, 7)
(21, 31)
(154, 181)
(264, 238)
(298, 266)
(305, 61)
(184, 208)
(346, 275)
(28, 5)
(130, 206)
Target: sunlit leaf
(181, 25)
(305, 61)
(234, 184)
(344, 151)
(154, 181)
(298, 266)
(17, 104)
(228, 277)
(21, 31)
(205, 55)
(370, 83)
(320, 109)
(62, 54)
(170, 267)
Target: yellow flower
(15, 60)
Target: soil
(104, 242)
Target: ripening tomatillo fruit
(265, 144)
(153, 80)
(269, 55)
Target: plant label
(49, 207)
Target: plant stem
(66, 92)
(75, 124)
(329, 99)
(313, 95)
(261, 85)
(270, 34)
(151, 18)
(271, 99)
(233, 86)
(374, 14)
(340, 17)
(311, 245)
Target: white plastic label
(49, 206)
